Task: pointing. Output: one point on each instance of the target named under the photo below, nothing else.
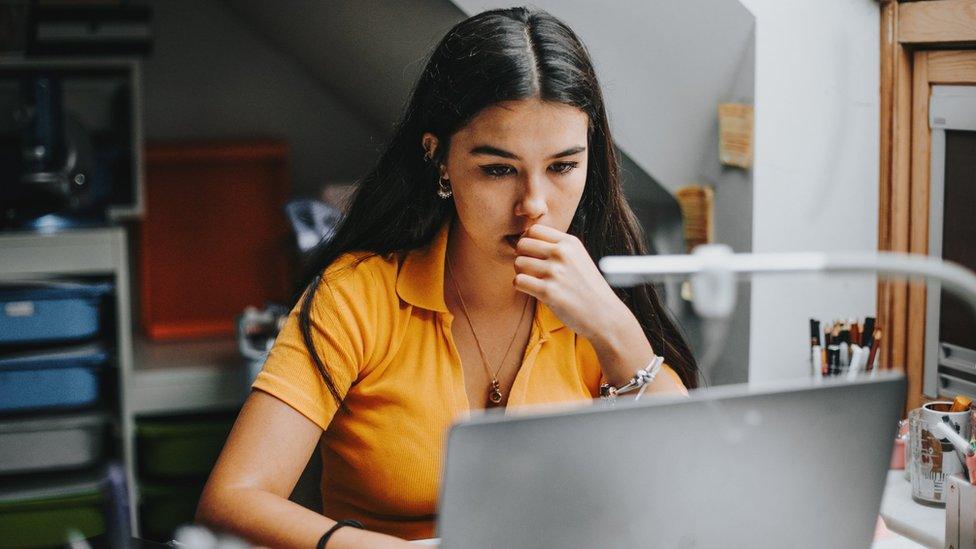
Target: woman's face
(516, 164)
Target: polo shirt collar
(547, 319)
(420, 281)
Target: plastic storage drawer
(51, 443)
(49, 512)
(180, 447)
(64, 378)
(39, 312)
(163, 508)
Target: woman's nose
(532, 203)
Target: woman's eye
(497, 171)
(559, 168)
(563, 167)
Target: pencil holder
(932, 459)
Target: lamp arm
(713, 264)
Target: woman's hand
(556, 269)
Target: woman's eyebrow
(495, 151)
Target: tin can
(934, 460)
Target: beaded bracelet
(640, 381)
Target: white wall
(816, 172)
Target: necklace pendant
(495, 394)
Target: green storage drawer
(164, 508)
(50, 512)
(180, 447)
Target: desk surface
(920, 523)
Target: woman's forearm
(622, 349)
(266, 519)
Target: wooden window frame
(922, 43)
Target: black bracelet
(328, 534)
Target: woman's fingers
(547, 234)
(539, 268)
(532, 286)
(533, 247)
(555, 268)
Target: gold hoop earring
(444, 188)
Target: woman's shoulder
(360, 281)
(361, 267)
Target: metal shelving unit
(153, 378)
(27, 256)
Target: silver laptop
(798, 464)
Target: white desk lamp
(713, 269)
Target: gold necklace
(494, 391)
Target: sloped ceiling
(664, 65)
(367, 52)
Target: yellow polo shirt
(384, 333)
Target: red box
(214, 238)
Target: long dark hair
(495, 56)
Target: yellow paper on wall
(735, 134)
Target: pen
(824, 342)
(857, 357)
(868, 332)
(875, 340)
(845, 347)
(815, 362)
(833, 350)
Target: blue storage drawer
(39, 312)
(58, 378)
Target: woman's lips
(513, 239)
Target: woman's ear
(429, 143)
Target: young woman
(462, 278)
